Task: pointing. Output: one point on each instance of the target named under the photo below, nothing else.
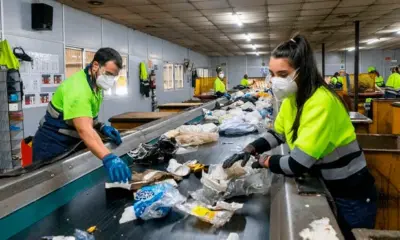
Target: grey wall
(237, 66)
(83, 30)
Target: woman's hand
(244, 156)
(263, 162)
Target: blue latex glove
(112, 133)
(117, 169)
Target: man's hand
(112, 133)
(117, 169)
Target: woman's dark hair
(104, 55)
(308, 80)
(336, 74)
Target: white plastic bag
(236, 126)
(153, 201)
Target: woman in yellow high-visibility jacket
(394, 79)
(219, 86)
(314, 122)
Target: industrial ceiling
(212, 27)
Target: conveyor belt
(95, 207)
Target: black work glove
(244, 155)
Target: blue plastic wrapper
(153, 201)
(83, 235)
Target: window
(205, 72)
(168, 74)
(77, 58)
(89, 55)
(73, 61)
(178, 76)
(200, 72)
(121, 86)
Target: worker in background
(374, 74)
(71, 116)
(245, 82)
(393, 80)
(219, 86)
(336, 81)
(315, 124)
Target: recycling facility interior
(199, 35)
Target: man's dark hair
(104, 55)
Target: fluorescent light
(254, 47)
(257, 53)
(398, 32)
(351, 49)
(248, 37)
(371, 41)
(237, 19)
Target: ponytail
(301, 57)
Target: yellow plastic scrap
(91, 229)
(197, 167)
(204, 213)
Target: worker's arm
(92, 140)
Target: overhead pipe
(356, 63)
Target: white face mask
(106, 82)
(221, 75)
(283, 87)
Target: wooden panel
(383, 159)
(126, 126)
(205, 85)
(382, 116)
(396, 119)
(138, 116)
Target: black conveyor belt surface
(95, 207)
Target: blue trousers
(356, 213)
(48, 144)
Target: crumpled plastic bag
(247, 106)
(153, 201)
(151, 153)
(142, 179)
(195, 139)
(220, 184)
(217, 215)
(78, 235)
(253, 117)
(207, 128)
(236, 126)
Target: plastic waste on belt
(153, 201)
(220, 184)
(152, 153)
(78, 235)
(236, 126)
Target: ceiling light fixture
(398, 32)
(371, 41)
(257, 53)
(248, 38)
(96, 3)
(237, 19)
(254, 47)
(351, 49)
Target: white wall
(83, 30)
(237, 66)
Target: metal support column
(356, 63)
(323, 61)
